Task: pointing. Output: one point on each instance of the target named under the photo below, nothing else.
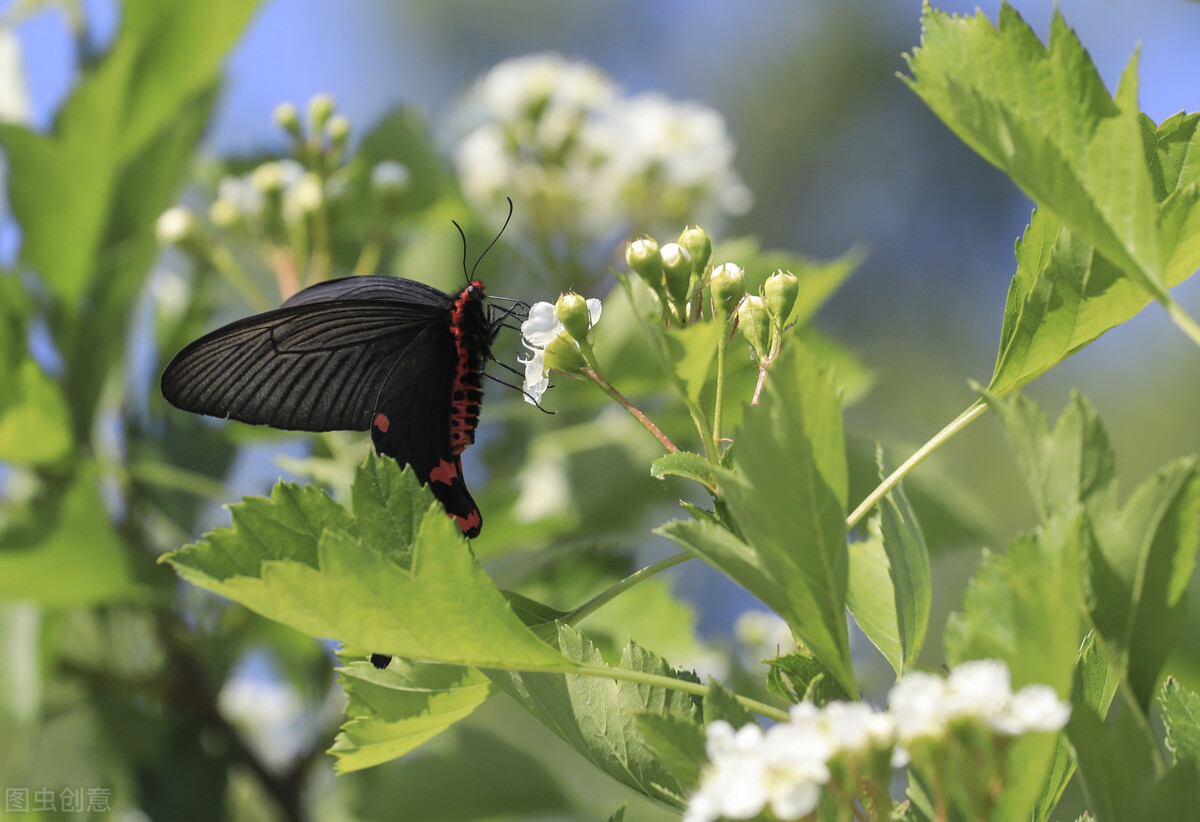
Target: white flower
(389, 175)
(979, 688)
(1033, 708)
(14, 99)
(916, 702)
(539, 329)
(174, 225)
(304, 197)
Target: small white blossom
(1034, 708)
(389, 175)
(174, 225)
(305, 197)
(917, 702)
(539, 329)
(979, 688)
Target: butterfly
(393, 356)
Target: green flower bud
(224, 213)
(287, 118)
(780, 292)
(338, 129)
(320, 109)
(728, 286)
(698, 244)
(755, 323)
(644, 257)
(564, 356)
(268, 177)
(572, 312)
(677, 273)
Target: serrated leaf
(1069, 466)
(678, 743)
(299, 559)
(720, 704)
(1137, 571)
(79, 559)
(890, 587)
(798, 677)
(788, 500)
(1181, 718)
(394, 711)
(598, 717)
(1050, 124)
(684, 464)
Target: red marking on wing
(469, 523)
(382, 423)
(446, 472)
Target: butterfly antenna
(528, 396)
(464, 245)
(494, 240)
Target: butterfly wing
(372, 287)
(411, 422)
(309, 366)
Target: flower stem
(1181, 319)
(604, 597)
(368, 258)
(720, 401)
(624, 402)
(939, 439)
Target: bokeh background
(837, 153)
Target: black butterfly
(395, 356)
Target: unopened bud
(287, 118)
(698, 244)
(779, 292)
(307, 195)
(644, 257)
(268, 177)
(338, 129)
(223, 213)
(176, 226)
(320, 108)
(728, 286)
(564, 356)
(677, 273)
(755, 323)
(572, 312)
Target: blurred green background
(837, 153)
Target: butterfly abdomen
(472, 342)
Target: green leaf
(1137, 571)
(684, 464)
(618, 815)
(1181, 717)
(79, 559)
(1116, 764)
(890, 587)
(678, 743)
(602, 718)
(720, 704)
(396, 710)
(1023, 608)
(797, 677)
(1043, 116)
(35, 426)
(1070, 466)
(788, 500)
(298, 559)
(63, 186)
(1093, 685)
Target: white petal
(593, 307)
(536, 380)
(542, 326)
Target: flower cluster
(583, 160)
(557, 338)
(850, 747)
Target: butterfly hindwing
(411, 423)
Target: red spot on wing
(446, 472)
(469, 523)
(382, 423)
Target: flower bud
(176, 226)
(223, 213)
(306, 196)
(677, 273)
(563, 356)
(755, 324)
(320, 108)
(644, 257)
(268, 177)
(287, 118)
(338, 129)
(779, 292)
(728, 286)
(572, 312)
(698, 244)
